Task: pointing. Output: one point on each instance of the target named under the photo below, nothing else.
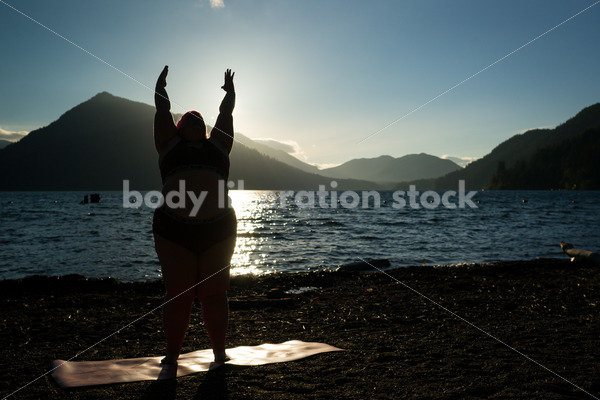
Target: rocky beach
(511, 330)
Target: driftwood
(578, 254)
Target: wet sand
(398, 344)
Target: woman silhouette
(194, 244)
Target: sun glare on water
(252, 213)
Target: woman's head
(191, 126)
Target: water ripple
(51, 233)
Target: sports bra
(180, 154)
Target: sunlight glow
(252, 212)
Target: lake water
(50, 233)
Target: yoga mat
(70, 374)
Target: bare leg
(213, 268)
(179, 275)
(176, 319)
(215, 312)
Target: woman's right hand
(161, 98)
(162, 79)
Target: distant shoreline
(77, 279)
(83, 191)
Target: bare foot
(170, 358)
(221, 357)
(219, 361)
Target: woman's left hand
(228, 86)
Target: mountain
(93, 146)
(276, 154)
(261, 172)
(105, 140)
(522, 147)
(386, 169)
(4, 143)
(570, 164)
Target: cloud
(275, 144)
(289, 146)
(462, 161)
(11, 136)
(325, 166)
(217, 4)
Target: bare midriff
(209, 191)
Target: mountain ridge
(386, 169)
(570, 164)
(107, 139)
(520, 147)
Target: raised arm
(164, 127)
(223, 129)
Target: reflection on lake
(51, 233)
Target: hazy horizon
(290, 148)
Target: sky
(329, 80)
